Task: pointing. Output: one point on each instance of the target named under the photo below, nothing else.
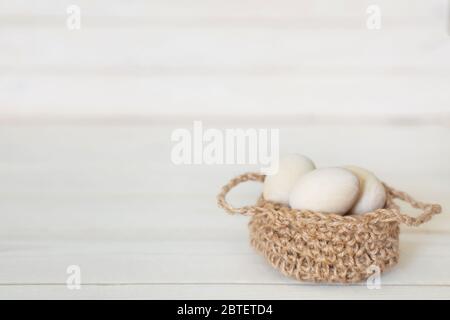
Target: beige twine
(311, 246)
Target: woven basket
(311, 246)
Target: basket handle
(221, 198)
(429, 209)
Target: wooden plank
(237, 9)
(37, 95)
(224, 291)
(89, 158)
(161, 50)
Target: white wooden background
(86, 118)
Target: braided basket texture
(311, 246)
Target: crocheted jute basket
(311, 246)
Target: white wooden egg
(327, 190)
(277, 187)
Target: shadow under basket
(311, 246)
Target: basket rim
(386, 214)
